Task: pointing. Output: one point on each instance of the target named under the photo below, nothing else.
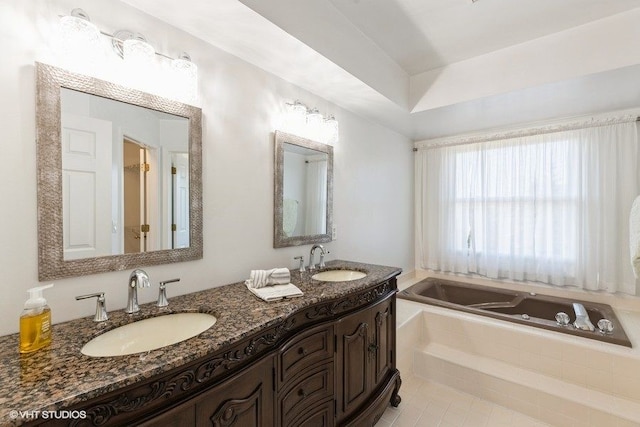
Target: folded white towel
(634, 236)
(261, 278)
(276, 292)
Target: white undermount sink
(339, 275)
(148, 334)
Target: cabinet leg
(395, 397)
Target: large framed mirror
(303, 197)
(119, 176)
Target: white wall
(373, 193)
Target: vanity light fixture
(82, 38)
(309, 123)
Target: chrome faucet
(312, 256)
(137, 279)
(582, 318)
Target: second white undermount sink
(148, 334)
(338, 275)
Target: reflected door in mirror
(86, 179)
(126, 177)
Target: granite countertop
(59, 376)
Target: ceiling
(421, 35)
(407, 63)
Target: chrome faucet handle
(162, 292)
(605, 326)
(101, 307)
(301, 266)
(562, 318)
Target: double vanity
(327, 358)
(218, 357)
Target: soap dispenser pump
(35, 321)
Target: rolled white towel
(276, 276)
(634, 236)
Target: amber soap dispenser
(35, 321)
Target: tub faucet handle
(605, 326)
(562, 318)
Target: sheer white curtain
(551, 207)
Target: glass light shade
(185, 78)
(79, 28)
(137, 50)
(184, 67)
(330, 130)
(296, 118)
(314, 124)
(80, 42)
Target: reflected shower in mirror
(119, 176)
(303, 191)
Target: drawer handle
(302, 393)
(302, 351)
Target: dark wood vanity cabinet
(365, 347)
(332, 363)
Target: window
(551, 208)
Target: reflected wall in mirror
(303, 200)
(119, 177)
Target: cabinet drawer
(304, 351)
(311, 387)
(320, 415)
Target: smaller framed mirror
(303, 197)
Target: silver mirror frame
(51, 263)
(280, 240)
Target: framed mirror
(119, 176)
(303, 198)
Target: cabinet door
(353, 365)
(383, 342)
(245, 400)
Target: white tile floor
(428, 404)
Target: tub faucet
(137, 279)
(582, 318)
(312, 256)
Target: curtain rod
(522, 132)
